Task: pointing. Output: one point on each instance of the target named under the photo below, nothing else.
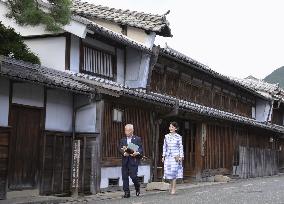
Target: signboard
(75, 166)
(203, 139)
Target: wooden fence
(256, 162)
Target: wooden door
(24, 147)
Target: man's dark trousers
(130, 169)
(130, 164)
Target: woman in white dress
(173, 156)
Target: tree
(56, 13)
(12, 44)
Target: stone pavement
(35, 199)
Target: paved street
(259, 190)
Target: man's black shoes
(126, 195)
(138, 192)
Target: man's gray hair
(130, 126)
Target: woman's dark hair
(175, 124)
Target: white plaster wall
(115, 172)
(141, 36)
(120, 66)
(77, 28)
(75, 54)
(133, 61)
(23, 30)
(110, 25)
(4, 101)
(59, 111)
(137, 34)
(51, 51)
(137, 68)
(262, 110)
(85, 115)
(28, 94)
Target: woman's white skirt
(172, 168)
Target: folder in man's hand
(133, 147)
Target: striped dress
(172, 147)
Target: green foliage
(277, 76)
(29, 12)
(12, 44)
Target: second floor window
(98, 62)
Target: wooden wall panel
(113, 131)
(281, 154)
(171, 83)
(56, 167)
(4, 152)
(88, 155)
(223, 141)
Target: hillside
(277, 76)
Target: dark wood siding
(281, 154)
(56, 167)
(112, 131)
(223, 141)
(278, 115)
(24, 163)
(182, 82)
(4, 152)
(88, 160)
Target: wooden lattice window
(98, 62)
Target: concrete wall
(59, 110)
(115, 172)
(28, 94)
(4, 101)
(263, 110)
(51, 51)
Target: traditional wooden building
(237, 141)
(275, 94)
(104, 72)
(96, 63)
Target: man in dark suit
(130, 161)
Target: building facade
(103, 71)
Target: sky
(233, 37)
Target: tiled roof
(83, 83)
(206, 111)
(170, 52)
(267, 89)
(112, 35)
(145, 21)
(20, 70)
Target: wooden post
(156, 159)
(198, 153)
